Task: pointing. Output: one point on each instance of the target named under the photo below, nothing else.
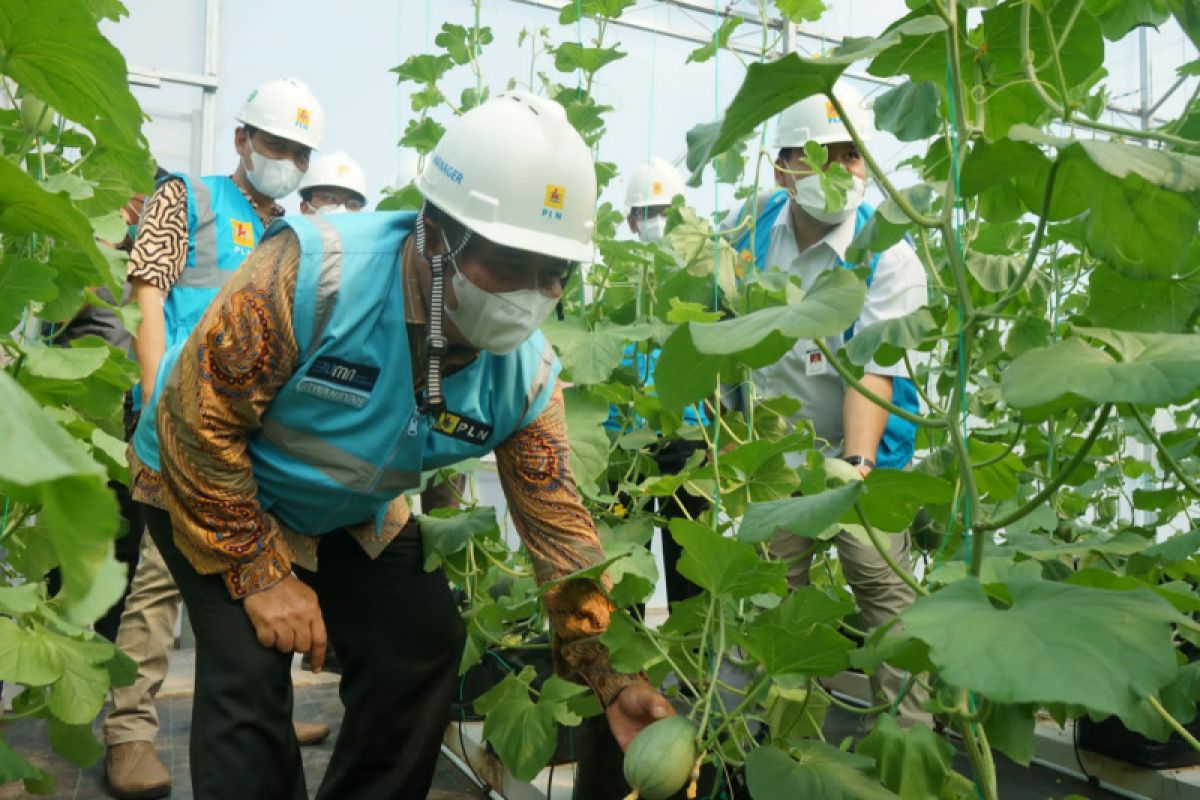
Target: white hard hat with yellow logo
(514, 171)
(285, 107)
(815, 119)
(337, 170)
(654, 183)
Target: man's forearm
(151, 340)
(863, 420)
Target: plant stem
(878, 174)
(1052, 485)
(886, 553)
(1008, 449)
(985, 778)
(1174, 723)
(1163, 452)
(841, 369)
(1035, 247)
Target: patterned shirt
(241, 354)
(160, 251)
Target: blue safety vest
(222, 230)
(899, 437)
(344, 436)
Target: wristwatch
(859, 460)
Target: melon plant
(61, 432)
(1056, 475)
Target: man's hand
(636, 706)
(288, 618)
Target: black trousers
(399, 636)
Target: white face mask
(498, 322)
(811, 199)
(651, 230)
(332, 208)
(274, 177)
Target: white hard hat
(335, 169)
(285, 107)
(814, 119)
(654, 183)
(514, 171)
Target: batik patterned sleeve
(236, 360)
(535, 471)
(160, 250)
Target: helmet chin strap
(435, 341)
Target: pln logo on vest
(552, 206)
(243, 234)
(303, 118)
(462, 428)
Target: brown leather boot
(310, 733)
(134, 772)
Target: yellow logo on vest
(456, 426)
(556, 196)
(243, 234)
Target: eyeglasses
(328, 198)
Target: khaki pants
(147, 635)
(880, 594)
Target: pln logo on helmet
(303, 118)
(552, 206)
(831, 113)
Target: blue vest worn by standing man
(222, 230)
(345, 435)
(899, 437)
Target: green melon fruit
(659, 760)
(841, 471)
(36, 117)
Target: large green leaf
(26, 656)
(22, 281)
(724, 566)
(684, 375)
(794, 638)
(1055, 644)
(54, 49)
(914, 763)
(523, 732)
(1165, 305)
(1140, 217)
(770, 87)
(448, 531)
(813, 516)
(77, 697)
(909, 111)
(1118, 17)
(75, 742)
(1152, 369)
(814, 769)
(586, 413)
(828, 309)
(26, 208)
(893, 497)
(588, 356)
(885, 341)
(36, 449)
(1010, 98)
